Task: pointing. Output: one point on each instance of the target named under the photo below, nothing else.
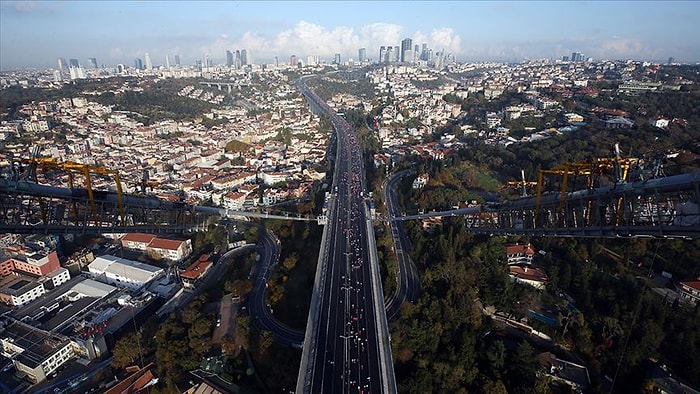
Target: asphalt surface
(345, 349)
(408, 281)
(269, 252)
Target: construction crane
(592, 171)
(522, 184)
(34, 164)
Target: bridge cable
(634, 318)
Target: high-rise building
(293, 60)
(397, 54)
(237, 59)
(277, 61)
(382, 54)
(62, 63)
(577, 57)
(671, 60)
(390, 54)
(406, 48)
(92, 62)
(424, 52)
(362, 55)
(336, 59)
(244, 57)
(73, 63)
(229, 58)
(167, 62)
(138, 64)
(177, 60)
(149, 64)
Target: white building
(21, 291)
(35, 352)
(122, 272)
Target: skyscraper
(406, 48)
(382, 54)
(149, 64)
(138, 64)
(73, 63)
(167, 62)
(177, 60)
(229, 58)
(362, 55)
(336, 59)
(92, 62)
(397, 54)
(244, 57)
(62, 63)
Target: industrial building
(122, 272)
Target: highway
(269, 252)
(346, 347)
(407, 280)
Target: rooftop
(37, 344)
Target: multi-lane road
(269, 251)
(407, 280)
(346, 347)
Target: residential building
(196, 271)
(420, 181)
(137, 241)
(158, 248)
(169, 249)
(532, 276)
(573, 118)
(7, 267)
(21, 290)
(566, 372)
(37, 264)
(618, 122)
(519, 254)
(659, 122)
(36, 353)
(690, 290)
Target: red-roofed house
(164, 248)
(37, 264)
(196, 271)
(690, 290)
(519, 254)
(137, 241)
(6, 267)
(137, 382)
(170, 249)
(533, 276)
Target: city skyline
(36, 33)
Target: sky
(36, 33)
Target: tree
(523, 367)
(126, 351)
(290, 262)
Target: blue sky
(36, 33)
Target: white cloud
(445, 38)
(306, 38)
(623, 48)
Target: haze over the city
(36, 33)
